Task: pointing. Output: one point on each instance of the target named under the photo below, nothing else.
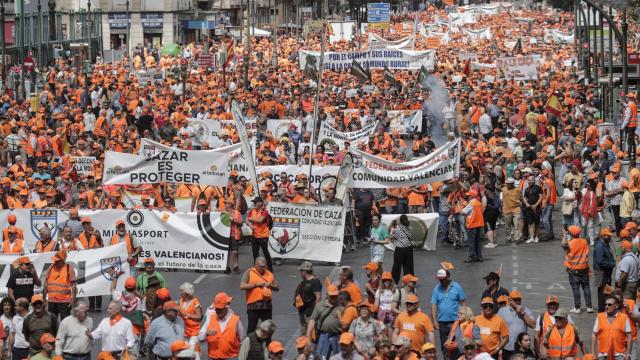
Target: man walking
(258, 283)
(115, 331)
(258, 220)
(446, 299)
(222, 330)
(626, 276)
(164, 330)
(60, 286)
(612, 333)
(22, 282)
(475, 225)
(18, 344)
(576, 260)
(603, 264)
(72, 342)
(38, 323)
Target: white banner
(374, 59)
(95, 268)
(309, 232)
(519, 67)
(175, 240)
(373, 172)
(208, 129)
(168, 165)
(552, 36)
(233, 152)
(424, 229)
(376, 42)
(84, 164)
(279, 127)
(404, 121)
(342, 31)
(339, 137)
(475, 35)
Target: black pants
(261, 243)
(402, 260)
(445, 328)
(95, 302)
(19, 354)
(364, 222)
(61, 309)
(606, 280)
(615, 209)
(631, 140)
(254, 315)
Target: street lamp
(89, 26)
(52, 20)
(128, 34)
(4, 65)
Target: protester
(21, 283)
(38, 323)
(400, 234)
(307, 294)
(114, 331)
(255, 345)
(259, 284)
(165, 330)
(71, 339)
(59, 288)
(222, 329)
(18, 346)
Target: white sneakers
(590, 310)
(577, 310)
(490, 246)
(532, 240)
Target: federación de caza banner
(404, 121)
(376, 42)
(518, 67)
(309, 232)
(168, 165)
(175, 240)
(95, 268)
(233, 152)
(424, 229)
(83, 164)
(371, 171)
(374, 59)
(329, 134)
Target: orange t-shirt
(354, 291)
(491, 330)
(349, 314)
(416, 326)
(260, 230)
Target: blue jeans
(403, 206)
(328, 345)
(475, 245)
(546, 220)
(462, 228)
(443, 227)
(578, 280)
(435, 204)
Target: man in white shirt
(485, 126)
(71, 340)
(115, 331)
(18, 344)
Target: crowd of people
(521, 162)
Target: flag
(554, 106)
(230, 50)
(518, 46)
(422, 77)
(359, 72)
(310, 68)
(329, 28)
(392, 80)
(467, 67)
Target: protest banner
(279, 127)
(168, 165)
(174, 240)
(376, 42)
(373, 59)
(330, 135)
(239, 120)
(83, 164)
(432, 42)
(518, 67)
(309, 232)
(371, 171)
(95, 268)
(424, 229)
(477, 34)
(405, 121)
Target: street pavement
(534, 269)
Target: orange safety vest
(88, 244)
(223, 344)
(547, 321)
(562, 346)
(51, 246)
(191, 327)
(8, 248)
(258, 293)
(58, 284)
(612, 338)
(633, 122)
(19, 233)
(553, 194)
(475, 219)
(577, 258)
(634, 327)
(115, 239)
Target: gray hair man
(71, 340)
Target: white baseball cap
(441, 274)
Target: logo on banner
(149, 150)
(200, 130)
(284, 236)
(110, 267)
(211, 231)
(453, 151)
(44, 218)
(135, 218)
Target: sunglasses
(487, 306)
(607, 304)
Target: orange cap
(332, 290)
(409, 278)
(372, 266)
(275, 347)
(386, 276)
(37, 297)
(624, 233)
(515, 294)
(574, 230)
(179, 345)
(163, 294)
(626, 245)
(347, 338)
(605, 232)
(630, 225)
(503, 298)
(301, 342)
(552, 299)
(12, 219)
(170, 305)
(486, 300)
(47, 338)
(222, 300)
(85, 219)
(119, 222)
(24, 260)
(130, 283)
(412, 299)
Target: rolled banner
(344, 175)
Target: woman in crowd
(400, 232)
(379, 237)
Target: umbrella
(171, 49)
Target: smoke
(436, 101)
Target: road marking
(199, 278)
(514, 266)
(515, 272)
(556, 286)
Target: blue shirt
(162, 333)
(602, 256)
(448, 301)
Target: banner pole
(316, 100)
